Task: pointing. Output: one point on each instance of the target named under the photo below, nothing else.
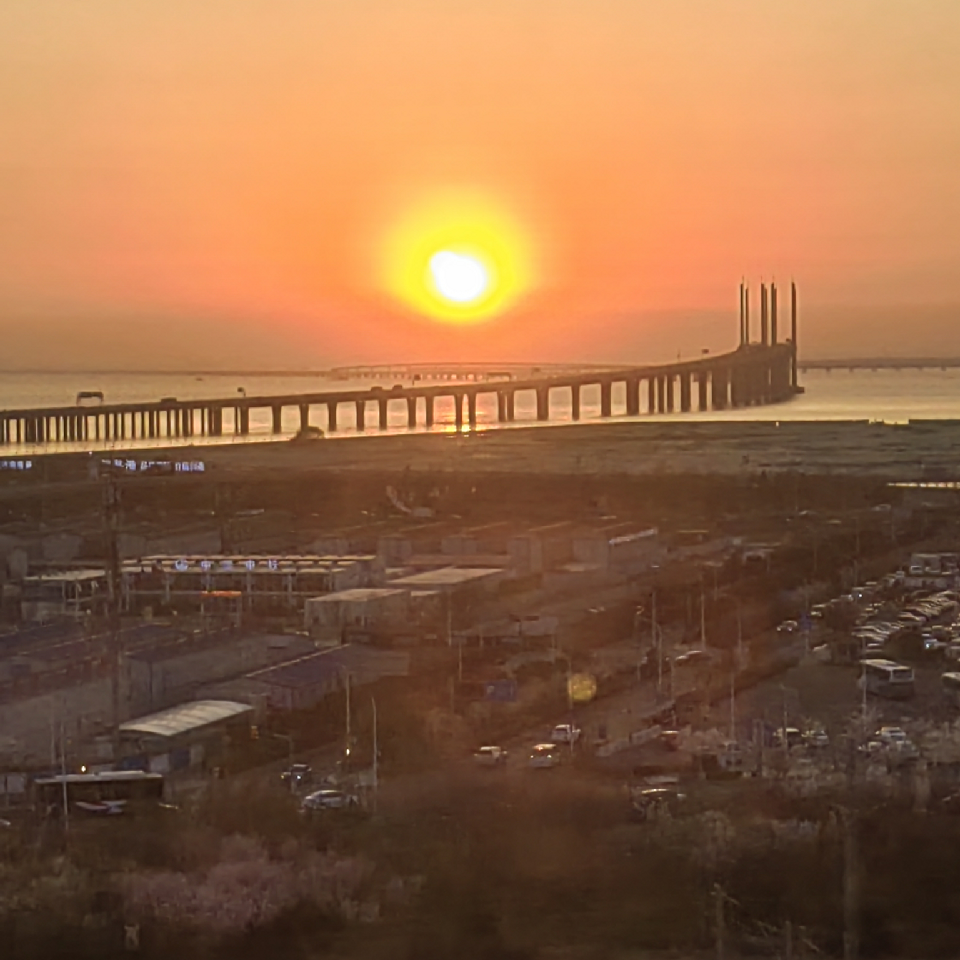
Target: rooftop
(185, 718)
(447, 577)
(358, 595)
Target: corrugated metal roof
(447, 577)
(185, 718)
(310, 670)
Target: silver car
(328, 800)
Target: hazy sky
(189, 181)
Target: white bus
(99, 794)
(884, 678)
(950, 684)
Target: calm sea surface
(862, 395)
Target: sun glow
(457, 258)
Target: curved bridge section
(751, 375)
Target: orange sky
(177, 175)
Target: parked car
(817, 739)
(544, 756)
(490, 756)
(565, 733)
(297, 775)
(655, 802)
(329, 800)
(790, 737)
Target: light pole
(376, 751)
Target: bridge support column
(661, 395)
(720, 389)
(651, 395)
(670, 393)
(684, 392)
(383, 411)
(511, 406)
(702, 397)
(633, 396)
(361, 406)
(276, 417)
(575, 402)
(458, 410)
(472, 410)
(606, 399)
(501, 407)
(332, 425)
(428, 411)
(411, 412)
(304, 416)
(543, 403)
(244, 420)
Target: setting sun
(458, 277)
(457, 258)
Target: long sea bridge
(755, 373)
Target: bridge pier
(458, 411)
(472, 410)
(501, 407)
(684, 392)
(244, 420)
(651, 394)
(702, 394)
(361, 406)
(428, 411)
(304, 416)
(411, 412)
(332, 425)
(661, 394)
(543, 403)
(633, 396)
(276, 417)
(670, 379)
(719, 382)
(575, 401)
(606, 398)
(383, 411)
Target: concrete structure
(373, 609)
(70, 593)
(166, 674)
(752, 374)
(183, 736)
(461, 582)
(266, 584)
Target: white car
(565, 733)
(544, 756)
(328, 800)
(490, 756)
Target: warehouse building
(185, 736)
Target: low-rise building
(187, 735)
(363, 609)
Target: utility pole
(851, 887)
(733, 704)
(348, 731)
(703, 617)
(63, 775)
(658, 640)
(719, 923)
(739, 634)
(111, 531)
(376, 752)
